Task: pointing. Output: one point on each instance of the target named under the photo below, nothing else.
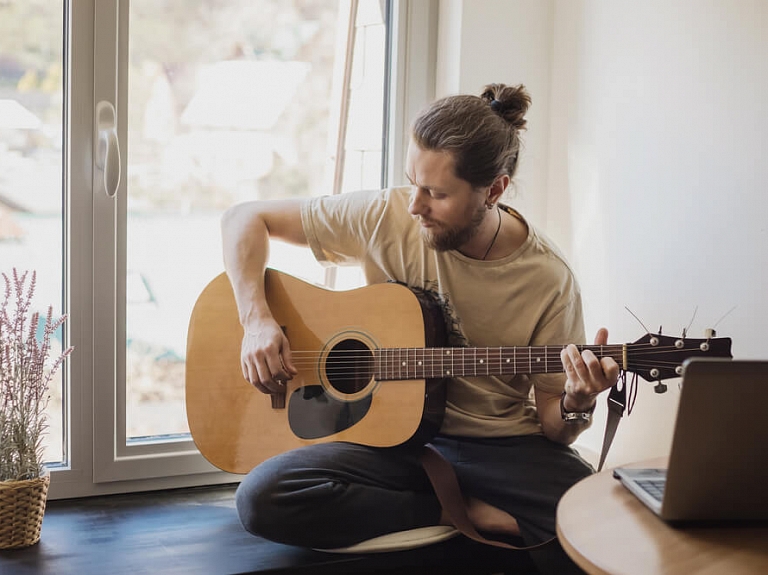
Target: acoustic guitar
(372, 369)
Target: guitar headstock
(656, 357)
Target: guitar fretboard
(425, 363)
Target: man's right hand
(247, 228)
(265, 357)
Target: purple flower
(24, 378)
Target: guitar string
(422, 352)
(413, 356)
(519, 365)
(435, 354)
(486, 354)
(541, 347)
(407, 377)
(394, 361)
(359, 372)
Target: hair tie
(495, 105)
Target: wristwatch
(575, 416)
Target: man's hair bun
(510, 102)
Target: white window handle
(108, 152)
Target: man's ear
(497, 188)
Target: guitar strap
(446, 485)
(617, 402)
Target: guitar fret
(553, 360)
(393, 369)
(490, 362)
(481, 361)
(529, 360)
(432, 363)
(382, 370)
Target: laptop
(718, 464)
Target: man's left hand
(587, 375)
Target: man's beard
(453, 238)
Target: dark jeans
(336, 494)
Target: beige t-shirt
(529, 298)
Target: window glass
(31, 191)
(230, 101)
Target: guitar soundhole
(349, 366)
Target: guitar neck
(425, 363)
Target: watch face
(577, 417)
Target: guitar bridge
(278, 400)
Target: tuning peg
(710, 333)
(660, 388)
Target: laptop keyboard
(654, 487)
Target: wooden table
(605, 529)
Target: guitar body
(236, 427)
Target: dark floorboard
(196, 531)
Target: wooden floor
(197, 531)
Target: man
(499, 282)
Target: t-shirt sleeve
(339, 228)
(564, 326)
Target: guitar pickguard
(313, 413)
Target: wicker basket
(22, 505)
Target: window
(125, 130)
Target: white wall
(658, 175)
(503, 41)
(655, 174)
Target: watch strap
(575, 416)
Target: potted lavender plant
(26, 371)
